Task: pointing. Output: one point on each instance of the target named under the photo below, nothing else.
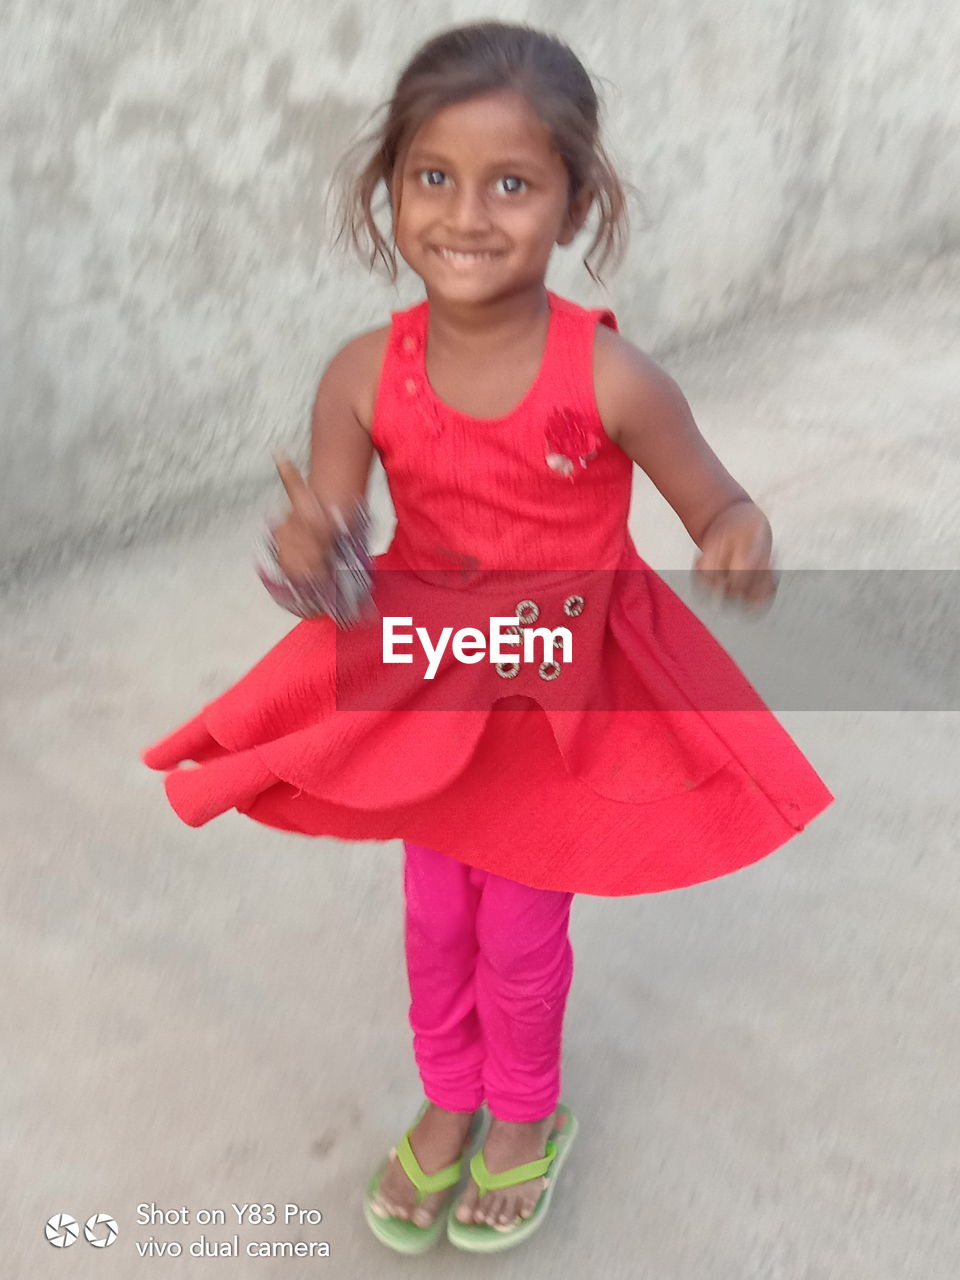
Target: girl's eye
(511, 184)
(432, 177)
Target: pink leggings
(490, 965)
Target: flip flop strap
(487, 1181)
(426, 1183)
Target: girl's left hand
(736, 556)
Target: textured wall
(169, 292)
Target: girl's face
(480, 199)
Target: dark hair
(459, 64)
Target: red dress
(644, 762)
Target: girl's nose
(469, 210)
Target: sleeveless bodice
(542, 487)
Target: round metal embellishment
(549, 670)
(573, 606)
(508, 669)
(527, 611)
(512, 631)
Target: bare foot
(508, 1145)
(437, 1140)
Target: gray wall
(169, 294)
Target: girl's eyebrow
(422, 157)
(416, 156)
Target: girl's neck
(504, 322)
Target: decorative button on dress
(644, 762)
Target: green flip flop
(483, 1239)
(401, 1234)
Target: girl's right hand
(305, 538)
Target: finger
(706, 585)
(302, 498)
(758, 606)
(712, 574)
(748, 584)
(756, 588)
(290, 477)
(702, 583)
(764, 582)
(707, 561)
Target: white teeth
(453, 256)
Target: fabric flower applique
(568, 443)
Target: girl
(634, 757)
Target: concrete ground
(764, 1067)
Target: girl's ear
(577, 211)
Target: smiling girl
(509, 421)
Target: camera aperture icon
(100, 1230)
(62, 1230)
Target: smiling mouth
(465, 259)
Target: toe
(511, 1215)
(465, 1209)
(505, 1216)
(487, 1208)
(530, 1201)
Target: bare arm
(341, 450)
(645, 413)
(341, 453)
